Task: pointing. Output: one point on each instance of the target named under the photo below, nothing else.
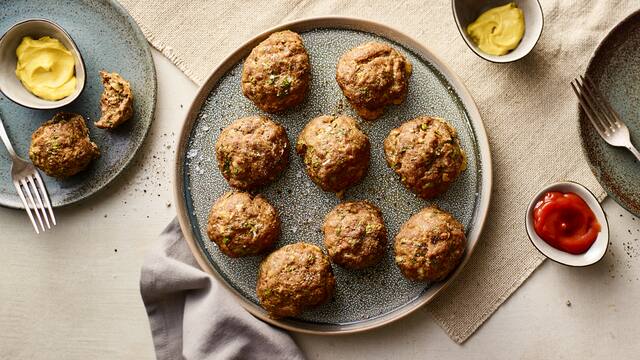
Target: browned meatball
(425, 152)
(355, 235)
(252, 151)
(276, 74)
(243, 225)
(335, 152)
(294, 278)
(429, 245)
(61, 146)
(373, 76)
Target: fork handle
(634, 151)
(5, 140)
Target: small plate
(599, 247)
(614, 68)
(108, 39)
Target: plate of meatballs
(333, 174)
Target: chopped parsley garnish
(286, 83)
(369, 229)
(226, 166)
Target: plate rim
(355, 23)
(597, 170)
(137, 32)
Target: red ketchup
(565, 222)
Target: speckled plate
(364, 299)
(108, 39)
(615, 69)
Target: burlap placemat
(528, 109)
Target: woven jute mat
(527, 107)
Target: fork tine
(41, 208)
(595, 111)
(32, 202)
(612, 113)
(45, 195)
(601, 129)
(26, 206)
(597, 103)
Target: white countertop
(73, 292)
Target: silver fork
(29, 185)
(602, 116)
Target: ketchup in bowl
(566, 222)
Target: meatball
(429, 245)
(116, 102)
(335, 152)
(276, 74)
(373, 76)
(425, 152)
(294, 278)
(252, 151)
(242, 224)
(355, 235)
(61, 146)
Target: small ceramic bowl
(599, 247)
(467, 11)
(11, 86)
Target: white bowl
(596, 251)
(11, 86)
(467, 11)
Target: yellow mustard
(499, 30)
(46, 68)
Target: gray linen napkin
(193, 317)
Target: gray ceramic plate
(109, 39)
(615, 69)
(364, 299)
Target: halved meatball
(294, 278)
(252, 151)
(355, 235)
(373, 76)
(335, 152)
(61, 147)
(242, 224)
(116, 102)
(425, 152)
(429, 245)
(276, 74)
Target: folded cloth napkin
(193, 317)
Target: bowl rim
(347, 22)
(79, 88)
(605, 227)
(492, 58)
